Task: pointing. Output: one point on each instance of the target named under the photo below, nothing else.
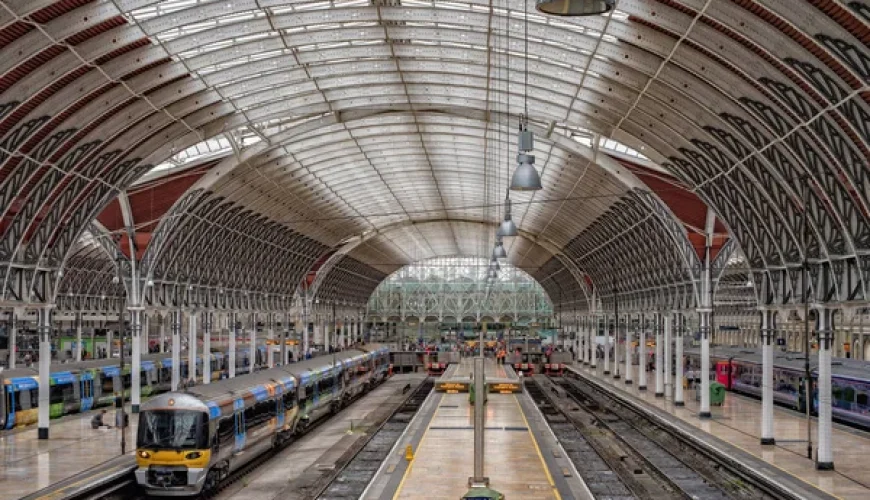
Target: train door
(239, 425)
(86, 389)
(279, 405)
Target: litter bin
(482, 494)
(717, 393)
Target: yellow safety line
(419, 447)
(538, 450)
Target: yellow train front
(172, 445)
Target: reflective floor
(29, 464)
(738, 422)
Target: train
(188, 442)
(82, 386)
(739, 370)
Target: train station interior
(440, 249)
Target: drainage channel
(594, 459)
(352, 480)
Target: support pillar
(767, 335)
(163, 320)
(606, 345)
(479, 479)
(78, 352)
(629, 377)
(44, 328)
(668, 340)
(13, 339)
(663, 322)
(704, 410)
(593, 344)
(641, 355)
(253, 356)
(146, 332)
(678, 390)
(110, 340)
(825, 452)
(270, 335)
(207, 318)
(135, 357)
(616, 331)
(175, 318)
(191, 346)
(233, 334)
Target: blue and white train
(189, 441)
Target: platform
(30, 465)
(738, 422)
(457, 378)
(523, 460)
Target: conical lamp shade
(526, 178)
(574, 7)
(499, 252)
(508, 228)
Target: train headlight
(193, 455)
(144, 454)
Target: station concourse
(200, 197)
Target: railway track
(354, 476)
(680, 474)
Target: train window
(226, 429)
(173, 429)
(108, 384)
(17, 400)
(61, 393)
(34, 398)
(861, 400)
(289, 401)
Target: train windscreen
(172, 430)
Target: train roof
(259, 383)
(848, 368)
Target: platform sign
(505, 388)
(451, 387)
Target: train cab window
(173, 429)
(861, 400)
(17, 398)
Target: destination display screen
(451, 387)
(505, 388)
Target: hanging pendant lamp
(507, 227)
(499, 252)
(574, 7)
(526, 177)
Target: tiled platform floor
(738, 422)
(445, 458)
(28, 464)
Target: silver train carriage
(188, 442)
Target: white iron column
(175, 318)
(825, 454)
(136, 357)
(767, 329)
(593, 344)
(191, 345)
(44, 327)
(109, 341)
(78, 351)
(13, 339)
(305, 334)
(641, 354)
(678, 392)
(163, 320)
(606, 344)
(629, 326)
(233, 333)
(270, 335)
(207, 318)
(704, 410)
(616, 334)
(668, 339)
(253, 354)
(146, 332)
(662, 320)
(326, 338)
(706, 309)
